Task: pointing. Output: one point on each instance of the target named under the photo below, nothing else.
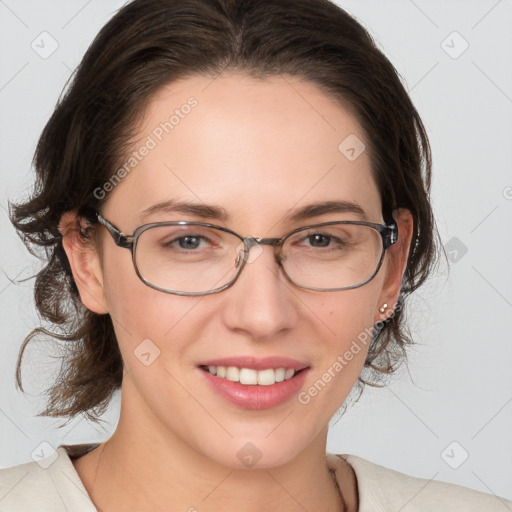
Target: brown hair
(149, 43)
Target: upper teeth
(249, 376)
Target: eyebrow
(213, 212)
(323, 208)
(197, 209)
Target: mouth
(251, 376)
(251, 383)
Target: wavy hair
(150, 43)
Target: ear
(84, 261)
(397, 256)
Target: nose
(261, 303)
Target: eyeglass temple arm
(120, 239)
(391, 234)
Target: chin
(262, 451)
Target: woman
(234, 197)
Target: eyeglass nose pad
(244, 252)
(238, 259)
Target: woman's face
(260, 151)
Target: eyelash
(337, 241)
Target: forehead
(258, 148)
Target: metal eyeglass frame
(389, 236)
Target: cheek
(344, 327)
(348, 313)
(141, 313)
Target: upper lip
(255, 363)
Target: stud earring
(383, 308)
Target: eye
(319, 240)
(187, 242)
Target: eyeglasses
(196, 258)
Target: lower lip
(253, 396)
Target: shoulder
(50, 484)
(381, 489)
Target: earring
(383, 308)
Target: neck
(140, 468)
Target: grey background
(448, 417)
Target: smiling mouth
(250, 376)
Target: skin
(258, 149)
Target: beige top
(53, 485)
